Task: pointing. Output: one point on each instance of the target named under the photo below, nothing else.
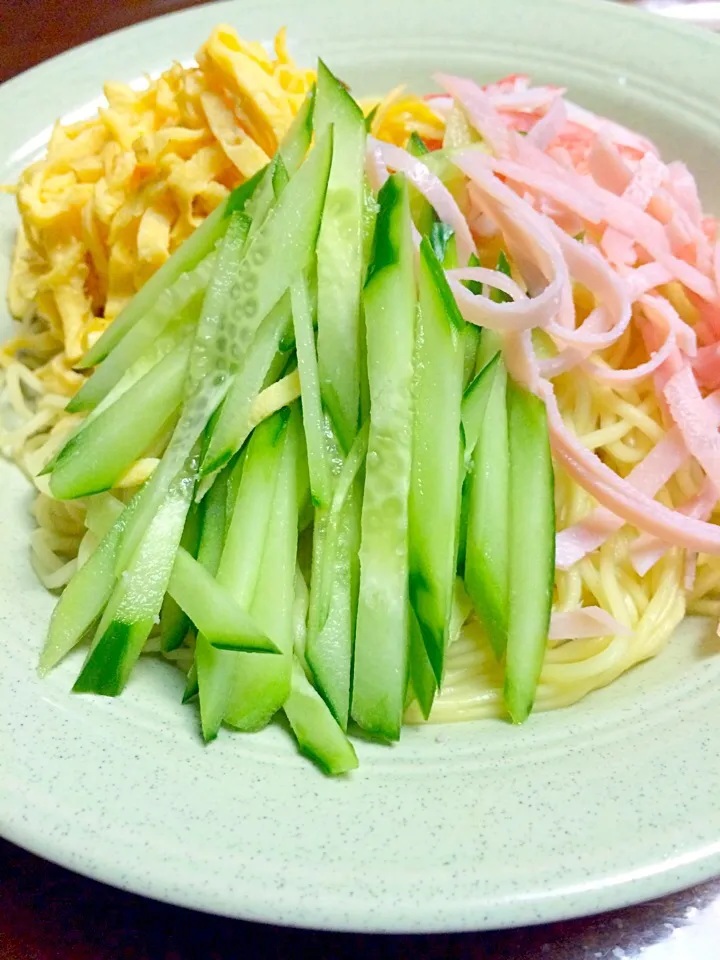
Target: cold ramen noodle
(370, 412)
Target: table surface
(47, 912)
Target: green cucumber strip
(280, 176)
(301, 605)
(191, 685)
(416, 145)
(333, 603)
(312, 412)
(486, 551)
(86, 595)
(98, 455)
(343, 486)
(340, 255)
(318, 735)
(443, 243)
(369, 216)
(213, 609)
(382, 635)
(272, 259)
(212, 512)
(240, 561)
(434, 505)
(292, 152)
(186, 258)
(178, 336)
(233, 426)
(176, 310)
(261, 683)
(490, 340)
(174, 623)
(422, 675)
(474, 403)
(234, 476)
(532, 548)
(209, 353)
(137, 597)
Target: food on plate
(370, 412)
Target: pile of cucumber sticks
(339, 447)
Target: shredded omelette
(117, 193)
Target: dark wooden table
(47, 913)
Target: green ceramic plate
(463, 827)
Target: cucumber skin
(486, 551)
(434, 502)
(236, 569)
(96, 457)
(340, 256)
(261, 682)
(317, 733)
(532, 548)
(381, 644)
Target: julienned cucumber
(174, 622)
(291, 154)
(238, 568)
(86, 595)
(97, 456)
(137, 597)
(261, 682)
(318, 735)
(334, 583)
(381, 639)
(185, 259)
(233, 426)
(434, 505)
(486, 549)
(271, 260)
(312, 412)
(164, 324)
(213, 609)
(340, 255)
(531, 548)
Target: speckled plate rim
(473, 826)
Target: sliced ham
(646, 550)
(431, 187)
(648, 477)
(695, 422)
(585, 622)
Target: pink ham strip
(614, 493)
(696, 424)
(646, 179)
(615, 132)
(492, 278)
(646, 551)
(652, 473)
(684, 188)
(607, 167)
(706, 366)
(530, 241)
(480, 110)
(643, 279)
(585, 622)
(432, 188)
(547, 129)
